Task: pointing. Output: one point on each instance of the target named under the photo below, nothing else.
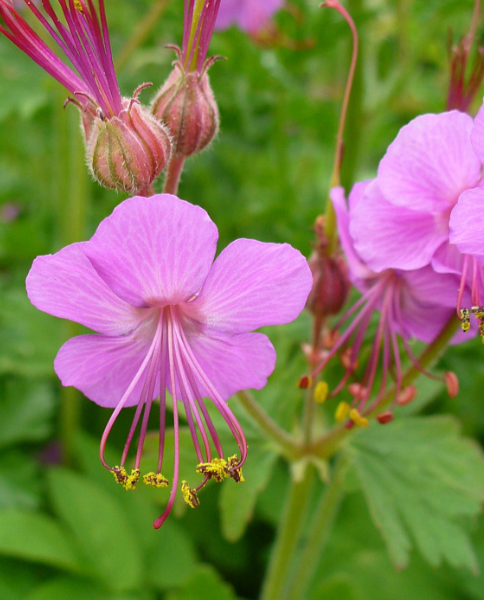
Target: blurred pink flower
(250, 15)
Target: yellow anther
(127, 481)
(342, 411)
(156, 480)
(233, 469)
(216, 469)
(465, 318)
(78, 6)
(189, 495)
(321, 392)
(358, 419)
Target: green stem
(173, 174)
(287, 444)
(72, 200)
(327, 445)
(140, 33)
(288, 536)
(320, 530)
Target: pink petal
(102, 367)
(448, 259)
(388, 236)
(234, 362)
(358, 270)
(66, 285)
(477, 135)
(467, 223)
(430, 163)
(253, 284)
(428, 302)
(249, 15)
(154, 251)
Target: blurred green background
(66, 531)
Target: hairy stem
(173, 174)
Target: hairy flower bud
(186, 105)
(127, 152)
(330, 278)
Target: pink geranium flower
(169, 319)
(412, 304)
(403, 221)
(251, 16)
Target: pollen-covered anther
(465, 318)
(407, 395)
(342, 411)
(385, 417)
(321, 392)
(155, 480)
(127, 481)
(215, 469)
(189, 495)
(233, 470)
(452, 384)
(305, 381)
(358, 419)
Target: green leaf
(17, 578)
(35, 537)
(73, 589)
(205, 584)
(335, 588)
(172, 559)
(101, 527)
(237, 500)
(24, 81)
(19, 481)
(29, 339)
(63, 588)
(423, 483)
(27, 411)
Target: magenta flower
(126, 147)
(251, 16)
(403, 221)
(412, 304)
(169, 319)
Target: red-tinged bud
(127, 152)
(347, 359)
(330, 277)
(452, 384)
(305, 381)
(407, 395)
(329, 339)
(385, 418)
(357, 390)
(186, 105)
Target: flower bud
(330, 278)
(186, 105)
(127, 152)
